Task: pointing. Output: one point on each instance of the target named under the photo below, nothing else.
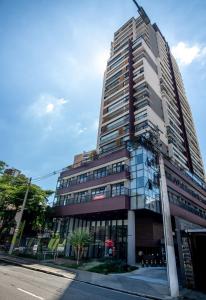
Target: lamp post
(18, 218)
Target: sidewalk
(33, 264)
(146, 282)
(120, 282)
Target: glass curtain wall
(144, 184)
(101, 231)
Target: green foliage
(12, 191)
(71, 266)
(79, 239)
(3, 165)
(112, 266)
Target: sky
(52, 58)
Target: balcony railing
(120, 132)
(107, 128)
(94, 176)
(115, 113)
(123, 191)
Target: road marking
(31, 294)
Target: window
(118, 167)
(140, 182)
(117, 189)
(109, 136)
(139, 159)
(100, 173)
(118, 122)
(137, 46)
(141, 126)
(108, 147)
(113, 77)
(114, 59)
(141, 87)
(98, 191)
(82, 178)
(117, 104)
(140, 116)
(141, 70)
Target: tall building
(143, 89)
(114, 191)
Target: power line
(47, 175)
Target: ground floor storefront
(135, 236)
(105, 233)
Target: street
(23, 284)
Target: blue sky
(52, 58)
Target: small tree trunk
(78, 253)
(81, 252)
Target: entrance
(198, 249)
(193, 258)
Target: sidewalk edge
(86, 282)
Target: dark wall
(149, 231)
(198, 242)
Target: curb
(33, 268)
(85, 282)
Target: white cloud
(62, 101)
(186, 54)
(46, 104)
(78, 129)
(48, 113)
(95, 125)
(100, 61)
(49, 107)
(81, 130)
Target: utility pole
(154, 140)
(168, 236)
(18, 218)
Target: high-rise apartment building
(143, 89)
(114, 190)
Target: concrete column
(68, 247)
(109, 190)
(168, 237)
(131, 248)
(59, 226)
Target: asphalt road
(17, 283)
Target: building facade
(114, 191)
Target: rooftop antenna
(142, 12)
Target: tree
(12, 191)
(3, 165)
(79, 239)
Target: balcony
(99, 203)
(116, 134)
(109, 175)
(98, 160)
(115, 113)
(114, 125)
